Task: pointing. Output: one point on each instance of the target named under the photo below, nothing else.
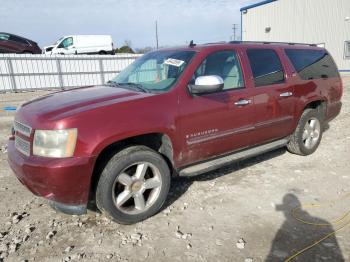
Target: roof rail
(214, 43)
(262, 42)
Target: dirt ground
(238, 213)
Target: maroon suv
(173, 112)
(10, 43)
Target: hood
(49, 46)
(63, 104)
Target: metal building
(322, 22)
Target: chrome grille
(22, 145)
(22, 128)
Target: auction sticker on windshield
(174, 62)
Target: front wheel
(134, 185)
(308, 134)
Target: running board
(210, 165)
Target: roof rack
(215, 43)
(262, 42)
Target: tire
(27, 53)
(305, 139)
(102, 53)
(121, 181)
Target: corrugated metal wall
(27, 72)
(304, 21)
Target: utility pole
(234, 28)
(157, 34)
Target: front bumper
(64, 182)
(68, 209)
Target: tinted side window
(18, 40)
(312, 64)
(224, 64)
(266, 67)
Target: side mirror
(207, 85)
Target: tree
(125, 49)
(127, 42)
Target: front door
(217, 123)
(66, 47)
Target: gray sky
(179, 21)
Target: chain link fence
(38, 72)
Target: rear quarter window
(18, 40)
(312, 64)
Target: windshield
(155, 71)
(58, 41)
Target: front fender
(107, 141)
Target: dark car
(173, 112)
(10, 43)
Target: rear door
(217, 123)
(19, 43)
(272, 94)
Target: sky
(179, 21)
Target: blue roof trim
(257, 4)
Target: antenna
(192, 44)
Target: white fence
(28, 72)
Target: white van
(81, 44)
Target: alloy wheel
(311, 133)
(137, 188)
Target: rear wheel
(102, 53)
(308, 134)
(134, 185)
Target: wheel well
(156, 141)
(320, 105)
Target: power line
(234, 28)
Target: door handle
(286, 94)
(243, 102)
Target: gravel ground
(238, 213)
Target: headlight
(55, 143)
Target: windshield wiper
(130, 85)
(137, 86)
